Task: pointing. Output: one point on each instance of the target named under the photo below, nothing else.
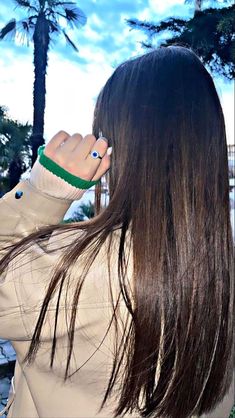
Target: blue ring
(95, 154)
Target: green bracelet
(62, 173)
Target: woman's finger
(72, 142)
(88, 166)
(100, 146)
(103, 167)
(69, 145)
(55, 142)
(84, 147)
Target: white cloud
(91, 34)
(163, 6)
(145, 14)
(91, 54)
(70, 95)
(95, 20)
(16, 84)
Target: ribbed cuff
(59, 171)
(52, 185)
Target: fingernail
(109, 150)
(104, 139)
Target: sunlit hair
(169, 187)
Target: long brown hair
(169, 187)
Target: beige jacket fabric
(40, 391)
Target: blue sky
(75, 79)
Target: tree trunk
(198, 6)
(41, 41)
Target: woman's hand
(73, 154)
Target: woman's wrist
(51, 184)
(59, 171)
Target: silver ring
(102, 137)
(94, 154)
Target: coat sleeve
(22, 211)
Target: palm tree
(45, 19)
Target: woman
(130, 313)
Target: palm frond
(69, 41)
(54, 3)
(8, 28)
(25, 30)
(25, 25)
(75, 15)
(54, 26)
(26, 4)
(32, 21)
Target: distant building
(231, 160)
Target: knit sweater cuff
(49, 183)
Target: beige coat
(39, 391)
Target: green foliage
(86, 210)
(15, 150)
(232, 413)
(210, 33)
